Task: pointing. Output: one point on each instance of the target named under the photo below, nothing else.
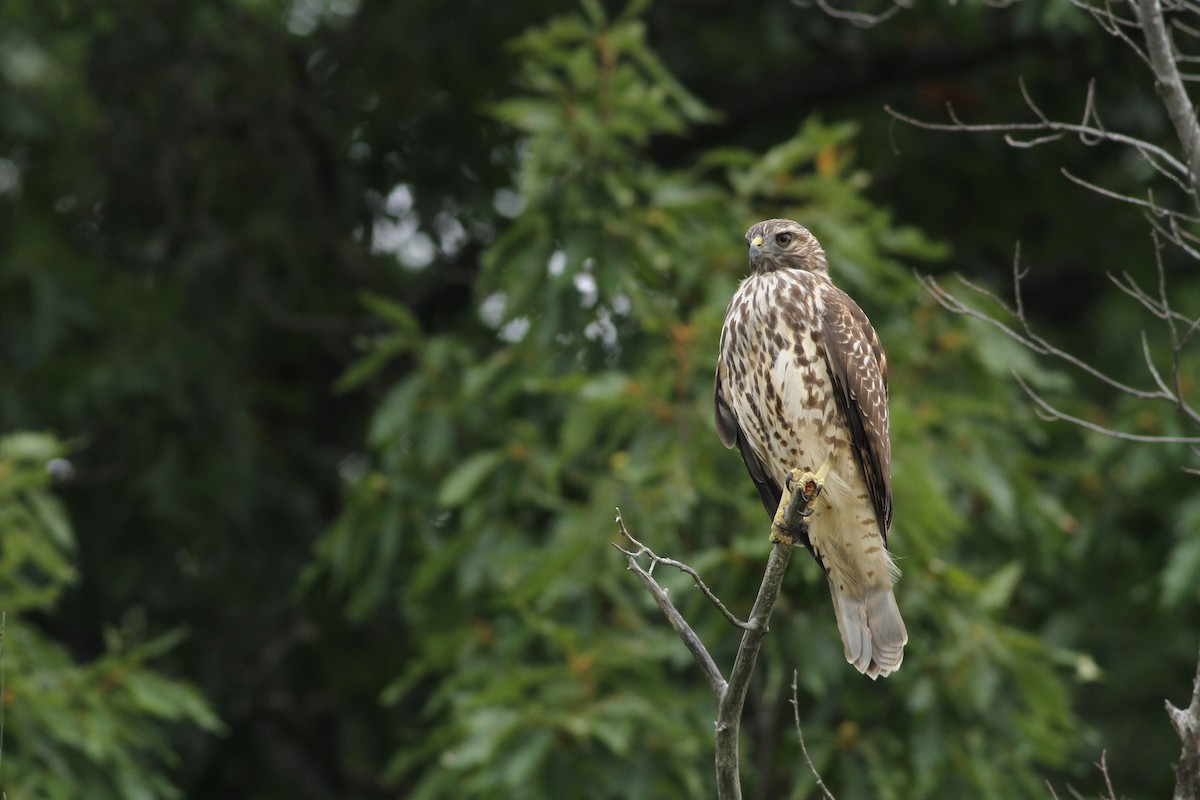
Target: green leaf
(386, 308)
(53, 519)
(30, 446)
(1181, 577)
(460, 484)
(997, 590)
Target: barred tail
(873, 634)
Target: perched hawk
(801, 376)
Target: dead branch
(1169, 389)
(656, 559)
(1148, 203)
(1050, 412)
(794, 507)
(1187, 724)
(690, 640)
(1101, 765)
(1025, 336)
(1089, 132)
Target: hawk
(801, 376)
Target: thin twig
(1055, 413)
(1125, 198)
(1185, 28)
(1175, 235)
(1025, 337)
(1115, 25)
(803, 749)
(1103, 767)
(1177, 344)
(1032, 127)
(1153, 370)
(655, 559)
(860, 19)
(1129, 286)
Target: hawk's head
(783, 244)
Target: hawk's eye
(784, 239)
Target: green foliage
(72, 729)
(536, 666)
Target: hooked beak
(755, 249)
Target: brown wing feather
(860, 387)
(731, 434)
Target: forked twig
(1169, 388)
(655, 560)
(690, 639)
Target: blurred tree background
(334, 331)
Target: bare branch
(1037, 111)
(1124, 198)
(1177, 390)
(1089, 134)
(1026, 337)
(1188, 333)
(1185, 28)
(699, 652)
(1112, 23)
(1102, 765)
(1161, 308)
(803, 749)
(1024, 334)
(1129, 286)
(1153, 370)
(1054, 413)
(1018, 275)
(1105, 17)
(1176, 236)
(656, 559)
